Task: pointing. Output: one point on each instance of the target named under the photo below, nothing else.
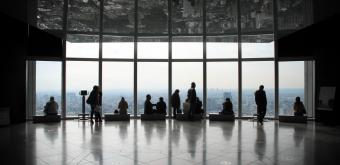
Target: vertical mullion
(135, 60)
(170, 56)
(63, 69)
(239, 40)
(276, 62)
(204, 59)
(100, 65)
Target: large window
(256, 46)
(50, 14)
(117, 83)
(153, 16)
(187, 17)
(128, 47)
(255, 74)
(222, 83)
(80, 75)
(153, 80)
(292, 84)
(187, 47)
(153, 47)
(221, 16)
(118, 47)
(183, 73)
(47, 72)
(82, 46)
(222, 47)
(83, 15)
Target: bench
(221, 117)
(293, 119)
(46, 119)
(182, 117)
(152, 116)
(116, 117)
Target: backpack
(89, 100)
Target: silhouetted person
(261, 102)
(95, 101)
(148, 105)
(123, 106)
(199, 108)
(186, 106)
(192, 98)
(227, 107)
(299, 108)
(161, 106)
(51, 107)
(175, 102)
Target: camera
(83, 92)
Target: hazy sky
(154, 75)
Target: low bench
(221, 117)
(116, 117)
(195, 117)
(46, 119)
(293, 119)
(152, 116)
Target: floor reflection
(169, 142)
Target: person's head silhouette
(177, 91)
(123, 99)
(297, 99)
(51, 98)
(193, 85)
(148, 97)
(161, 99)
(261, 87)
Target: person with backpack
(95, 101)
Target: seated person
(186, 106)
(199, 109)
(161, 106)
(51, 107)
(227, 107)
(148, 105)
(299, 108)
(115, 111)
(123, 106)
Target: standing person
(175, 102)
(192, 99)
(51, 107)
(95, 101)
(123, 106)
(261, 102)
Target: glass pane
(256, 15)
(257, 46)
(187, 47)
(118, 47)
(153, 16)
(153, 80)
(291, 14)
(153, 47)
(187, 17)
(47, 72)
(50, 14)
(292, 82)
(222, 47)
(256, 74)
(83, 15)
(183, 73)
(118, 16)
(117, 83)
(82, 46)
(222, 83)
(80, 75)
(221, 16)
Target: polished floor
(169, 142)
